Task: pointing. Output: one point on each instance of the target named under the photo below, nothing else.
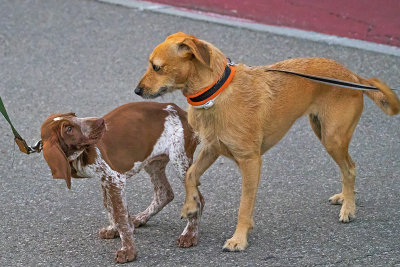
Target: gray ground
(87, 57)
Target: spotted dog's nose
(139, 90)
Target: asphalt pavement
(88, 56)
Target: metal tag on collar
(209, 104)
(206, 105)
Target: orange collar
(205, 98)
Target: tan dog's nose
(139, 90)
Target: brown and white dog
(246, 117)
(117, 146)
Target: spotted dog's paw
(108, 233)
(125, 255)
(190, 235)
(139, 219)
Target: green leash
(23, 147)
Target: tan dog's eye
(156, 68)
(69, 129)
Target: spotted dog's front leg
(110, 231)
(115, 191)
(194, 202)
(190, 235)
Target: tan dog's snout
(145, 92)
(139, 90)
(154, 84)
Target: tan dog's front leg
(192, 205)
(250, 169)
(116, 194)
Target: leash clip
(23, 147)
(36, 148)
(230, 63)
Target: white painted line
(241, 23)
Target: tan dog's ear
(57, 162)
(199, 49)
(179, 35)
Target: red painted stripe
(371, 20)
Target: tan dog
(255, 111)
(115, 147)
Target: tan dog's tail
(385, 98)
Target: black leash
(330, 81)
(23, 147)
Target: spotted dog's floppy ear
(57, 161)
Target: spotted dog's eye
(69, 129)
(156, 68)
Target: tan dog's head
(181, 62)
(65, 136)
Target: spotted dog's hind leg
(163, 193)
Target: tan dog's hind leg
(163, 193)
(346, 197)
(339, 152)
(335, 129)
(250, 169)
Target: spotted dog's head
(65, 137)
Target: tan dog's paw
(234, 244)
(336, 199)
(139, 219)
(188, 239)
(108, 233)
(347, 212)
(191, 208)
(125, 254)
